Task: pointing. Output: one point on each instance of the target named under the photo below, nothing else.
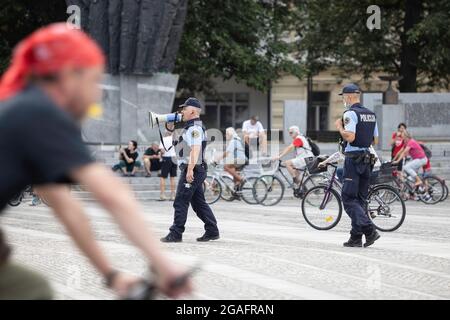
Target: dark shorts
(168, 168)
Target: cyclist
(339, 157)
(234, 156)
(47, 90)
(415, 151)
(302, 149)
(398, 143)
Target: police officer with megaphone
(190, 148)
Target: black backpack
(427, 151)
(314, 147)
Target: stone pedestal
(295, 114)
(127, 99)
(388, 118)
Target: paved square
(264, 253)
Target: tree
(244, 39)
(413, 42)
(21, 17)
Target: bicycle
(219, 185)
(26, 194)
(384, 205)
(432, 190)
(269, 188)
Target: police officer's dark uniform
(357, 169)
(191, 193)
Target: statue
(139, 37)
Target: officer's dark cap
(350, 88)
(191, 102)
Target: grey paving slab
(263, 253)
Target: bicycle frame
(328, 189)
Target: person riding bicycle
(53, 78)
(234, 156)
(339, 157)
(302, 149)
(416, 152)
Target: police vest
(182, 148)
(365, 127)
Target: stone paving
(264, 253)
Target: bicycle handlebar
(147, 290)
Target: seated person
(415, 151)
(128, 163)
(254, 134)
(152, 159)
(234, 156)
(303, 150)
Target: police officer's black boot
(207, 237)
(171, 238)
(354, 241)
(371, 238)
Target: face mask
(347, 105)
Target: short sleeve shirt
(415, 151)
(252, 130)
(235, 151)
(302, 147)
(132, 155)
(44, 143)
(193, 136)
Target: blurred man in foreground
(52, 80)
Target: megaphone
(156, 118)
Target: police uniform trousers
(193, 194)
(354, 195)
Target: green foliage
(19, 18)
(334, 33)
(244, 39)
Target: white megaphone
(156, 118)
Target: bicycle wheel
(322, 208)
(260, 190)
(15, 201)
(212, 189)
(434, 190)
(247, 191)
(445, 195)
(386, 214)
(274, 190)
(227, 188)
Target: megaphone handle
(167, 128)
(161, 138)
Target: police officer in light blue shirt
(358, 129)
(190, 148)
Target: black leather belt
(184, 166)
(356, 154)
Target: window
(228, 110)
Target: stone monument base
(127, 99)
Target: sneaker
(171, 238)
(206, 238)
(370, 239)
